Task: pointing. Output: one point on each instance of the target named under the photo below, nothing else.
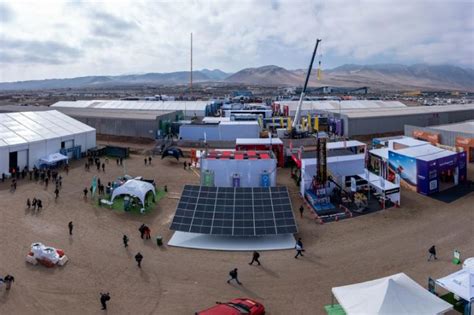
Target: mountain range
(377, 77)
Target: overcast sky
(57, 39)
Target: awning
(53, 159)
(460, 283)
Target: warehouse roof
(425, 152)
(415, 110)
(136, 105)
(114, 114)
(342, 105)
(26, 127)
(91, 112)
(464, 127)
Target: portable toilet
(235, 180)
(265, 179)
(208, 178)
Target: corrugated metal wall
(143, 128)
(446, 137)
(122, 127)
(385, 124)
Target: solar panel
(240, 211)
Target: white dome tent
(136, 188)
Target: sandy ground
(182, 281)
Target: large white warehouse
(189, 108)
(26, 137)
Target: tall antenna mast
(191, 74)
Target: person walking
(139, 258)
(39, 203)
(46, 181)
(103, 167)
(70, 226)
(147, 232)
(145, 160)
(56, 192)
(234, 276)
(85, 191)
(28, 203)
(104, 298)
(255, 257)
(299, 248)
(432, 252)
(149, 160)
(9, 279)
(142, 230)
(185, 164)
(301, 211)
(34, 204)
(125, 241)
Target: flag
(94, 185)
(319, 71)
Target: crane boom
(296, 121)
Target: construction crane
(296, 126)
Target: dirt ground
(182, 281)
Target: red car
(235, 307)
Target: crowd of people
(43, 176)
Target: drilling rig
(297, 130)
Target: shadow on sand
(246, 291)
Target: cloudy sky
(57, 39)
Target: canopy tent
(382, 186)
(396, 294)
(52, 159)
(460, 283)
(134, 187)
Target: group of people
(44, 175)
(8, 280)
(36, 204)
(95, 160)
(147, 160)
(256, 258)
(119, 161)
(145, 232)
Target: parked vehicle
(235, 307)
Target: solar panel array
(241, 211)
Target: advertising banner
(404, 166)
(427, 177)
(433, 138)
(462, 166)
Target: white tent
(460, 283)
(134, 187)
(52, 159)
(25, 137)
(393, 295)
